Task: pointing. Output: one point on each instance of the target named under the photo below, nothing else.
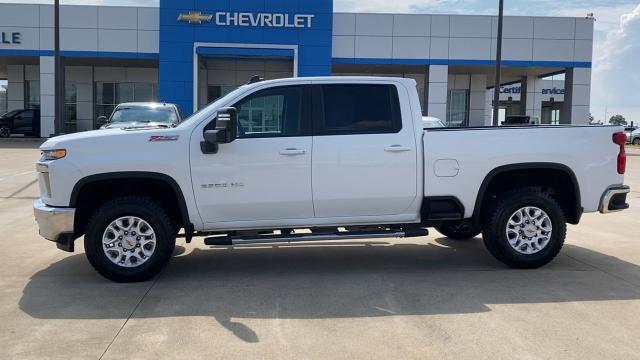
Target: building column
(15, 89)
(577, 96)
(437, 97)
(477, 94)
(524, 81)
(81, 77)
(47, 96)
(202, 83)
(531, 94)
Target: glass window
(145, 114)
(32, 96)
(124, 92)
(555, 117)
(70, 107)
(214, 92)
(109, 94)
(359, 109)
(27, 115)
(457, 108)
(3, 96)
(143, 92)
(272, 112)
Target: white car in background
(430, 122)
(142, 114)
(634, 137)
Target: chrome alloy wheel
(129, 241)
(529, 230)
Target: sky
(616, 54)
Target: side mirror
(101, 120)
(224, 132)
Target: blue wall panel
(177, 38)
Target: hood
(58, 141)
(134, 124)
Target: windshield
(208, 110)
(144, 114)
(10, 113)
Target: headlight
(53, 154)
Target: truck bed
(458, 160)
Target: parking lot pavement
(419, 298)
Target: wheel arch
(572, 205)
(124, 177)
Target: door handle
(397, 148)
(292, 151)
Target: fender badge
(164, 137)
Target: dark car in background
(24, 122)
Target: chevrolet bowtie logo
(195, 17)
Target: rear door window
(356, 109)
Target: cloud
(615, 78)
(376, 6)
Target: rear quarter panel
(587, 150)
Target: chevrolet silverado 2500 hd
(307, 159)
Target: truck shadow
(325, 281)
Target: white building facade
(191, 52)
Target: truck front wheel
(458, 230)
(525, 229)
(129, 239)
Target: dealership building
(190, 52)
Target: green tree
(618, 120)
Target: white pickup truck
(307, 159)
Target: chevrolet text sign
(264, 19)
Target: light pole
(496, 87)
(58, 74)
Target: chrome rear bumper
(614, 199)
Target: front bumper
(55, 223)
(614, 199)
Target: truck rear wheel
(129, 239)
(458, 230)
(525, 229)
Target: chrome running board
(225, 240)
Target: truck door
(265, 174)
(364, 153)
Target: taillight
(620, 139)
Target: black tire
(636, 141)
(5, 130)
(459, 230)
(145, 209)
(494, 230)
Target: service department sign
(272, 20)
